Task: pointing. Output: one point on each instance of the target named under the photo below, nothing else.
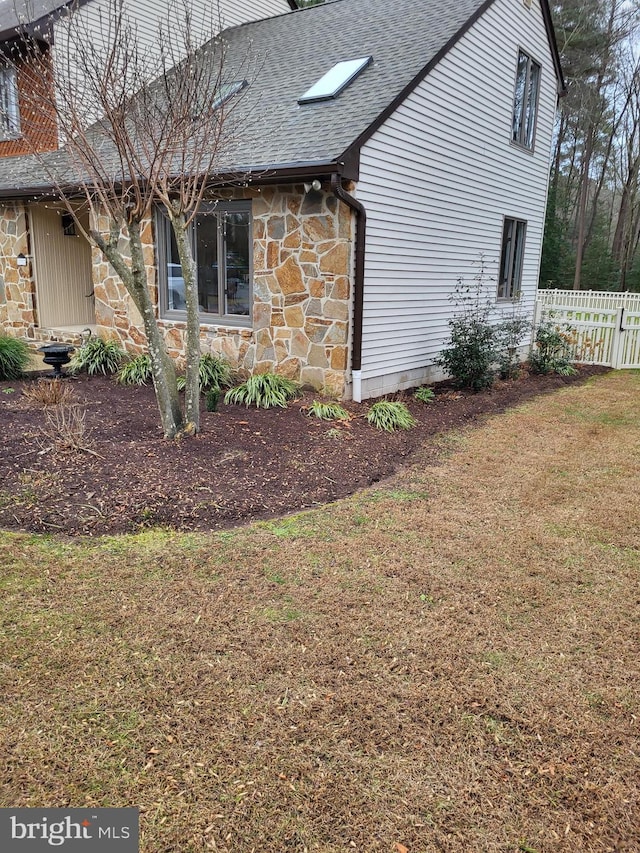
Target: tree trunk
(582, 208)
(162, 366)
(192, 342)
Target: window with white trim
(511, 259)
(9, 113)
(221, 238)
(525, 103)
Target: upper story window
(511, 259)
(525, 104)
(9, 114)
(221, 238)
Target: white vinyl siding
(438, 179)
(226, 13)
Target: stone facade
(302, 291)
(302, 259)
(17, 288)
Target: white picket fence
(602, 328)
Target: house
(387, 148)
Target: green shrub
(214, 371)
(551, 351)
(472, 353)
(509, 335)
(97, 355)
(136, 371)
(425, 394)
(264, 390)
(327, 411)
(14, 357)
(212, 399)
(390, 416)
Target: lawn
(445, 662)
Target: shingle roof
(297, 49)
(14, 14)
(291, 52)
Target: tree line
(592, 231)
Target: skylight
(335, 80)
(228, 90)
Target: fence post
(616, 340)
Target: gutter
(358, 295)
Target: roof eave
(272, 173)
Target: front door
(62, 265)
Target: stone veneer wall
(302, 261)
(17, 289)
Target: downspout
(358, 284)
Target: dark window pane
(511, 259)
(505, 260)
(237, 242)
(532, 103)
(206, 247)
(175, 282)
(518, 257)
(518, 106)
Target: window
(222, 247)
(511, 257)
(9, 115)
(335, 80)
(525, 105)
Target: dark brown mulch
(245, 464)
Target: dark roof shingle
(291, 52)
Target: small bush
(425, 394)
(390, 416)
(97, 355)
(212, 399)
(214, 371)
(551, 352)
(509, 335)
(327, 411)
(66, 429)
(49, 392)
(136, 371)
(264, 390)
(14, 357)
(472, 353)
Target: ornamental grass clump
(135, 371)
(97, 355)
(214, 371)
(49, 392)
(425, 394)
(14, 357)
(390, 416)
(327, 411)
(264, 391)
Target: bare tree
(141, 125)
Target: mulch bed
(245, 464)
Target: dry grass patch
(445, 663)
